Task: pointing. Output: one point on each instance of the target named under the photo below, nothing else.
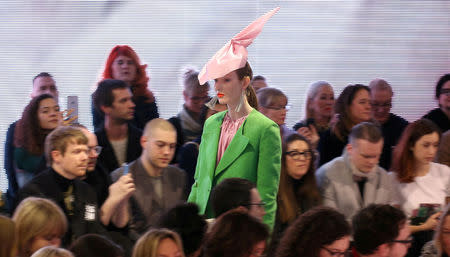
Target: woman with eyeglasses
(319, 232)
(273, 103)
(298, 191)
(440, 245)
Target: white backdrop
(405, 42)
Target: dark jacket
(439, 118)
(392, 131)
(13, 187)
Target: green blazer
(254, 153)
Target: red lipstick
(220, 95)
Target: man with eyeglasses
(441, 115)
(392, 125)
(381, 230)
(354, 180)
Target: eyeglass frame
(98, 149)
(311, 153)
(404, 241)
(260, 204)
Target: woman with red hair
(124, 64)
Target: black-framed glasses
(346, 253)
(96, 149)
(296, 155)
(405, 241)
(278, 108)
(381, 105)
(445, 91)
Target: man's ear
(143, 141)
(349, 148)
(185, 95)
(105, 109)
(56, 156)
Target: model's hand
(123, 188)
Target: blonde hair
(59, 139)
(312, 92)
(37, 217)
(8, 237)
(148, 244)
(51, 251)
(158, 123)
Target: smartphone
(72, 108)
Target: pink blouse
(227, 132)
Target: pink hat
(233, 55)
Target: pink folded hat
(233, 55)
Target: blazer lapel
(234, 150)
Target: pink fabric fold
(227, 132)
(233, 55)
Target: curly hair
(28, 134)
(139, 86)
(311, 231)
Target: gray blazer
(340, 191)
(145, 207)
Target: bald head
(158, 123)
(381, 99)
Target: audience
(258, 82)
(381, 230)
(420, 181)
(318, 111)
(185, 220)
(239, 193)
(392, 125)
(319, 232)
(92, 245)
(440, 245)
(441, 115)
(351, 108)
(236, 233)
(51, 251)
(443, 152)
(157, 243)
(118, 138)
(8, 237)
(159, 186)
(355, 180)
(39, 223)
(123, 64)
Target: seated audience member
(258, 82)
(236, 233)
(43, 83)
(39, 118)
(381, 230)
(318, 111)
(188, 153)
(157, 243)
(92, 245)
(111, 197)
(185, 220)
(352, 107)
(8, 237)
(118, 138)
(443, 152)
(298, 191)
(234, 193)
(319, 232)
(355, 180)
(159, 186)
(39, 223)
(417, 180)
(51, 251)
(273, 102)
(123, 64)
(441, 116)
(440, 245)
(66, 152)
(189, 121)
(392, 125)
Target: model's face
(258, 249)
(444, 98)
(195, 100)
(323, 103)
(399, 249)
(364, 154)
(425, 148)
(53, 239)
(256, 205)
(48, 114)
(168, 248)
(360, 109)
(229, 88)
(122, 107)
(159, 147)
(298, 159)
(336, 249)
(381, 101)
(74, 162)
(44, 85)
(446, 235)
(124, 68)
(92, 152)
(276, 110)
